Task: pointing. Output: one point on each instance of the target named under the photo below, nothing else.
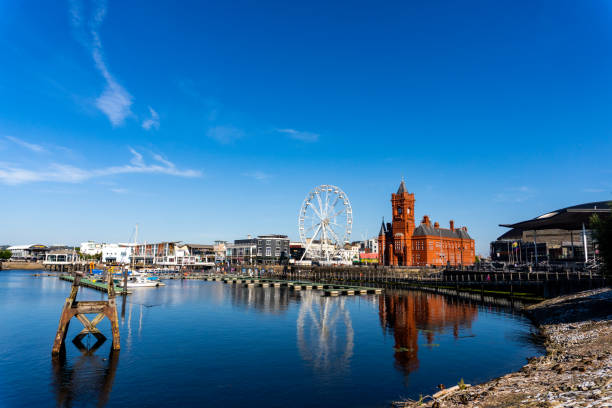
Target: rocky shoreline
(575, 372)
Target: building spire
(382, 228)
(402, 187)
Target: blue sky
(213, 120)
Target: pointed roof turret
(402, 188)
(382, 228)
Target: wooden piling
(79, 309)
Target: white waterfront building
(117, 253)
(30, 252)
(90, 248)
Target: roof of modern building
(17, 247)
(272, 236)
(29, 246)
(247, 241)
(511, 235)
(424, 229)
(569, 218)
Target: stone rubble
(575, 372)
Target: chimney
(452, 225)
(426, 220)
(436, 225)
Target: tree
(95, 257)
(5, 254)
(602, 232)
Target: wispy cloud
(515, 194)
(225, 134)
(31, 146)
(300, 135)
(115, 102)
(63, 173)
(257, 175)
(119, 190)
(152, 122)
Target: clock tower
(402, 203)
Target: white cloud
(257, 175)
(225, 134)
(31, 146)
(152, 122)
(115, 102)
(515, 194)
(300, 135)
(62, 173)
(119, 190)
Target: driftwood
(440, 395)
(436, 398)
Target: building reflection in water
(407, 314)
(325, 335)
(267, 300)
(88, 379)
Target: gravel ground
(575, 372)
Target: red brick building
(400, 243)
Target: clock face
(399, 210)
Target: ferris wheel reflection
(325, 335)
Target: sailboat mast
(134, 246)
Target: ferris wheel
(327, 214)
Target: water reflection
(269, 300)
(279, 331)
(89, 379)
(407, 314)
(325, 335)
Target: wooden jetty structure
(497, 282)
(100, 286)
(79, 309)
(521, 283)
(532, 284)
(326, 289)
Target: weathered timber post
(79, 309)
(125, 276)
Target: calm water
(195, 343)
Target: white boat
(141, 281)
